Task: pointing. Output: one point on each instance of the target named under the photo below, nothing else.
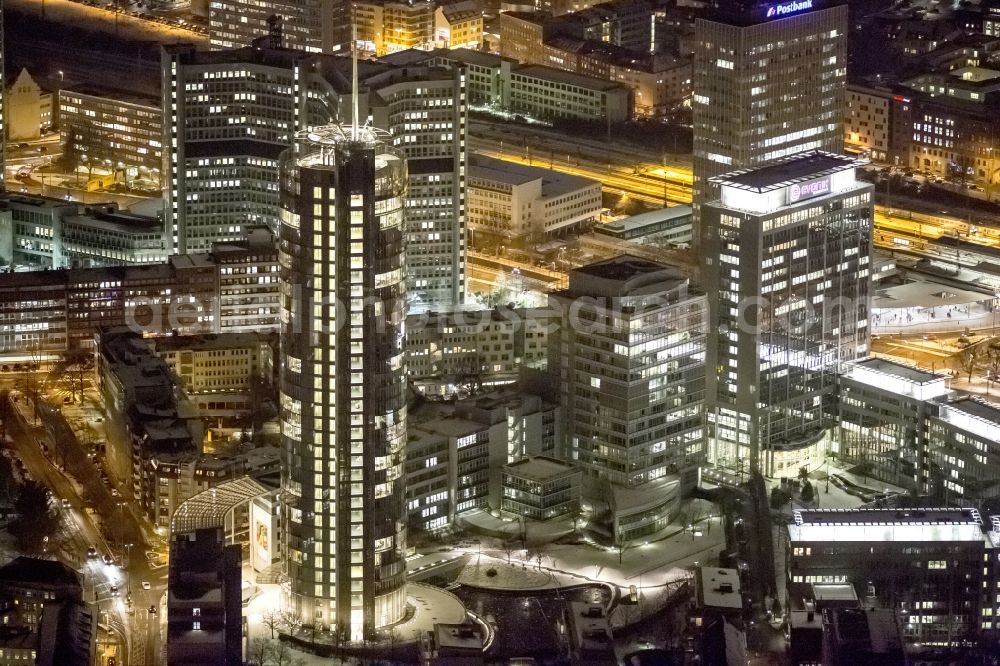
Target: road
(122, 535)
(105, 20)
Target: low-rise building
(882, 410)
(455, 451)
(540, 488)
(514, 201)
(43, 619)
(120, 132)
(931, 565)
(204, 612)
(452, 645)
(235, 288)
(458, 25)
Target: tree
(282, 656)
(968, 360)
(779, 498)
(71, 368)
(35, 522)
(269, 652)
(259, 653)
(272, 619)
(508, 546)
(807, 493)
(803, 473)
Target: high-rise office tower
(229, 114)
(343, 377)
(768, 82)
(630, 357)
(787, 254)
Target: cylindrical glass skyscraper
(343, 378)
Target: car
(91, 552)
(115, 493)
(152, 610)
(146, 585)
(65, 503)
(115, 592)
(67, 400)
(109, 560)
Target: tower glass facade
(788, 247)
(343, 378)
(768, 82)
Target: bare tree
(259, 653)
(272, 619)
(282, 656)
(968, 360)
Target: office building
(499, 83)
(455, 451)
(868, 122)
(540, 488)
(768, 82)
(114, 131)
(510, 201)
(343, 378)
(459, 350)
(789, 306)
(231, 113)
(629, 357)
(962, 454)
(883, 408)
(313, 26)
(595, 43)
(936, 567)
(247, 283)
(43, 313)
(862, 636)
(204, 611)
(54, 233)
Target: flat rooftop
(977, 408)
(906, 372)
(539, 468)
(720, 588)
(569, 78)
(785, 172)
(834, 592)
(554, 183)
(887, 525)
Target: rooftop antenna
(354, 77)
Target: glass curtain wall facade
(791, 243)
(343, 378)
